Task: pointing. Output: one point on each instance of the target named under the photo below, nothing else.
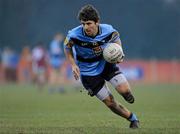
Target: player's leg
(122, 86)
(107, 98)
(113, 74)
(96, 86)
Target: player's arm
(116, 39)
(69, 55)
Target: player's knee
(128, 97)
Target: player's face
(90, 27)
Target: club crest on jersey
(97, 50)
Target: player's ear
(98, 22)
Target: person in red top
(39, 65)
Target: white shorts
(115, 81)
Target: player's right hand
(76, 72)
(121, 59)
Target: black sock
(128, 97)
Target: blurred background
(38, 93)
(149, 30)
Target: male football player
(83, 48)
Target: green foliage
(25, 110)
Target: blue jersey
(87, 50)
(56, 54)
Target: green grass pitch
(25, 110)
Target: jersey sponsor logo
(84, 43)
(95, 44)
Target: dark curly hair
(88, 12)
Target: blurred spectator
(56, 62)
(9, 65)
(39, 65)
(24, 67)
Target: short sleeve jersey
(87, 51)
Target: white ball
(113, 53)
